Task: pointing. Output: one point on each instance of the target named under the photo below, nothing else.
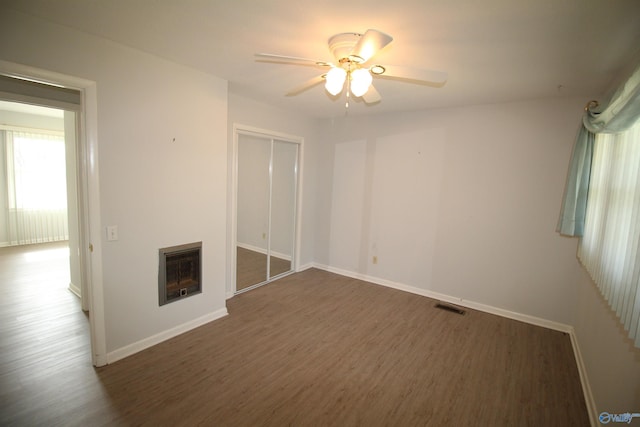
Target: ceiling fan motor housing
(341, 45)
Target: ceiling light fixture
(360, 81)
(352, 53)
(335, 80)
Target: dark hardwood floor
(312, 348)
(45, 355)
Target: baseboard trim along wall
(136, 347)
(537, 321)
(584, 380)
(75, 290)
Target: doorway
(28, 85)
(39, 234)
(267, 196)
(38, 186)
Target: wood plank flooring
(45, 355)
(314, 348)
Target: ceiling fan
(352, 52)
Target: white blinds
(610, 247)
(36, 187)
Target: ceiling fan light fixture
(335, 80)
(360, 81)
(377, 69)
(352, 53)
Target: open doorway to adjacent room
(44, 299)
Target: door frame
(88, 195)
(233, 241)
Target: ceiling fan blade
(371, 96)
(426, 77)
(292, 59)
(306, 85)
(369, 44)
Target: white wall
(462, 202)
(611, 360)
(158, 191)
(348, 213)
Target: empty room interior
(319, 213)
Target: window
(610, 246)
(36, 171)
(36, 186)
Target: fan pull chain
(346, 105)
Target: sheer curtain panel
(36, 187)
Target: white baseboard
(537, 321)
(305, 267)
(75, 290)
(450, 299)
(584, 380)
(136, 347)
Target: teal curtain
(618, 114)
(574, 205)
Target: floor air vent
(451, 308)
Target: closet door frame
(240, 129)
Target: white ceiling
(493, 50)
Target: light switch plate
(112, 232)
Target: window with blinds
(610, 246)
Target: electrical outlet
(375, 259)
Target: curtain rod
(591, 104)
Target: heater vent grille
(180, 272)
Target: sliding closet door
(267, 179)
(254, 157)
(283, 202)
